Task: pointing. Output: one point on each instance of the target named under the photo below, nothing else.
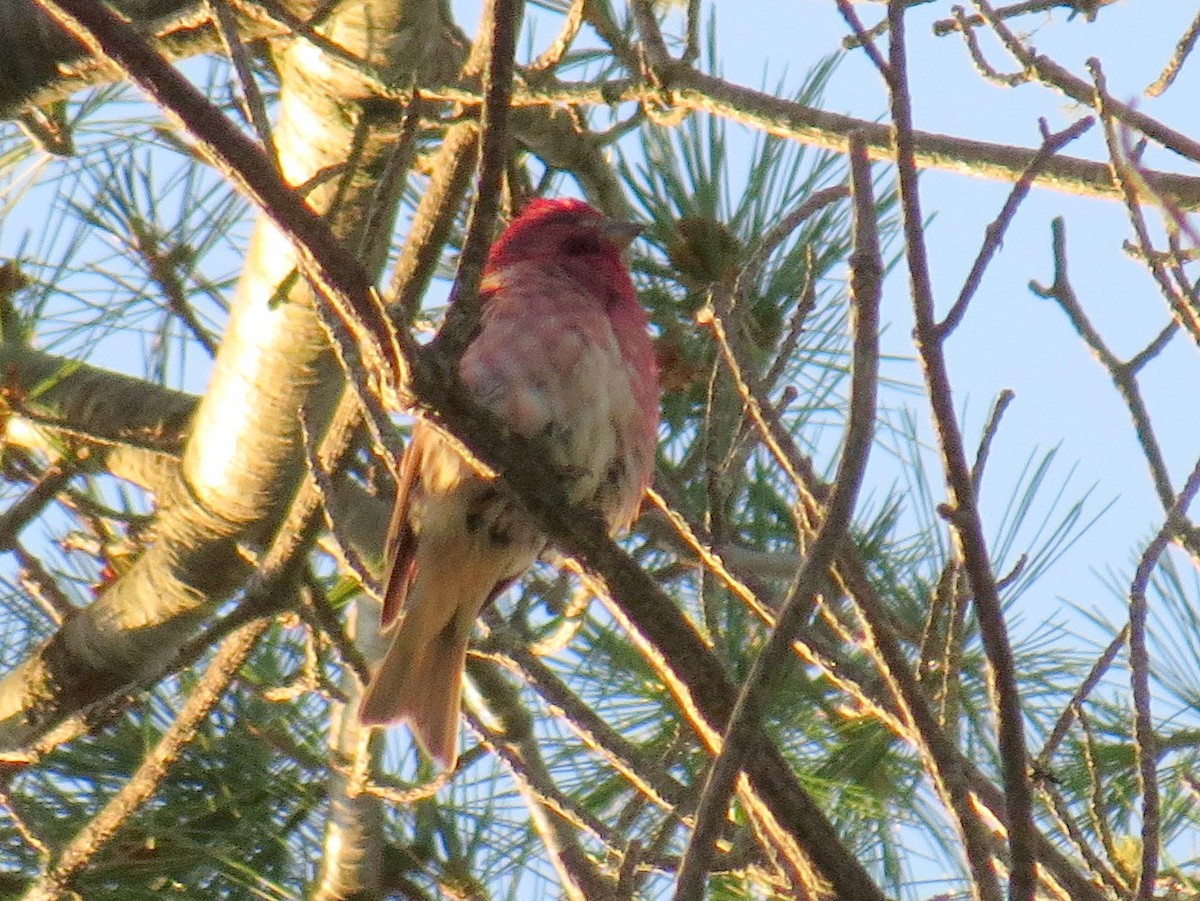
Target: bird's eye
(580, 245)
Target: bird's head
(570, 234)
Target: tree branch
(749, 710)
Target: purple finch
(562, 353)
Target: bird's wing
(401, 545)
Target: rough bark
(116, 423)
(40, 63)
(242, 460)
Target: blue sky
(1010, 338)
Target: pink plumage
(563, 353)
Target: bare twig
(433, 220)
(1088, 7)
(649, 778)
(1182, 50)
(697, 91)
(1051, 73)
(691, 51)
(651, 46)
(30, 505)
(1134, 188)
(1145, 746)
(982, 66)
(989, 434)
(1123, 377)
(551, 812)
(463, 316)
(1063, 724)
(1153, 349)
(748, 712)
(994, 234)
(963, 513)
(406, 796)
(558, 48)
(862, 37)
(254, 108)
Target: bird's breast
(548, 362)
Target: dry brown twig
(1182, 51)
(1057, 76)
(1135, 189)
(553, 55)
(254, 108)
(1052, 143)
(962, 511)
(749, 710)
(1090, 8)
(463, 316)
(1145, 734)
(1122, 372)
(985, 69)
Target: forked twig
(994, 234)
(962, 510)
(749, 710)
(1182, 50)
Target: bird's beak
(620, 233)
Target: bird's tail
(420, 679)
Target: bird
(562, 354)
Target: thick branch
(100, 407)
(243, 461)
(41, 63)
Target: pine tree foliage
(196, 475)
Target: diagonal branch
(149, 775)
(1051, 73)
(552, 814)
(748, 713)
(962, 510)
(696, 677)
(1051, 144)
(337, 273)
